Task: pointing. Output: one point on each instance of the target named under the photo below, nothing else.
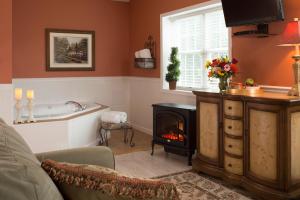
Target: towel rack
(147, 63)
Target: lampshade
(291, 34)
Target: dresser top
(244, 94)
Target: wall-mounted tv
(247, 12)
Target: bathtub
(61, 126)
(45, 112)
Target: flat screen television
(252, 12)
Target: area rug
(194, 186)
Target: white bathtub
(61, 126)
(43, 112)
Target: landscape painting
(70, 50)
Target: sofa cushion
(21, 176)
(95, 182)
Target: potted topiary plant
(173, 69)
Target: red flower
(222, 64)
(234, 68)
(215, 62)
(209, 74)
(234, 61)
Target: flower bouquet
(223, 69)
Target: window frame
(188, 11)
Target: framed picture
(70, 50)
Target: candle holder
(18, 107)
(30, 111)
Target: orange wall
(121, 29)
(260, 59)
(145, 20)
(109, 19)
(5, 41)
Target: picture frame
(70, 50)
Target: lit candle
(18, 93)
(30, 94)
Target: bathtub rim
(68, 117)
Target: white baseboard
(142, 129)
(95, 143)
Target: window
(200, 34)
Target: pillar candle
(30, 94)
(18, 93)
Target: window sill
(178, 92)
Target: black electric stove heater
(174, 127)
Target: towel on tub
(114, 117)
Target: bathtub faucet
(78, 105)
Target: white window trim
(200, 6)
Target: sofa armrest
(101, 156)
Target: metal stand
(111, 126)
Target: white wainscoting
(147, 91)
(110, 91)
(134, 95)
(6, 102)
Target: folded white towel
(114, 117)
(145, 53)
(137, 54)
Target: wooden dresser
(252, 141)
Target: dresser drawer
(233, 108)
(233, 146)
(233, 127)
(233, 165)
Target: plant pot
(172, 85)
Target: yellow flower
(207, 64)
(220, 73)
(226, 59)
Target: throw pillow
(21, 176)
(105, 183)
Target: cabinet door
(209, 139)
(294, 146)
(264, 144)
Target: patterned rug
(193, 186)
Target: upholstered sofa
(21, 174)
(76, 174)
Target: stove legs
(152, 148)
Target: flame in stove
(173, 136)
(180, 125)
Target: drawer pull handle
(229, 165)
(230, 146)
(229, 108)
(230, 127)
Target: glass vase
(223, 84)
